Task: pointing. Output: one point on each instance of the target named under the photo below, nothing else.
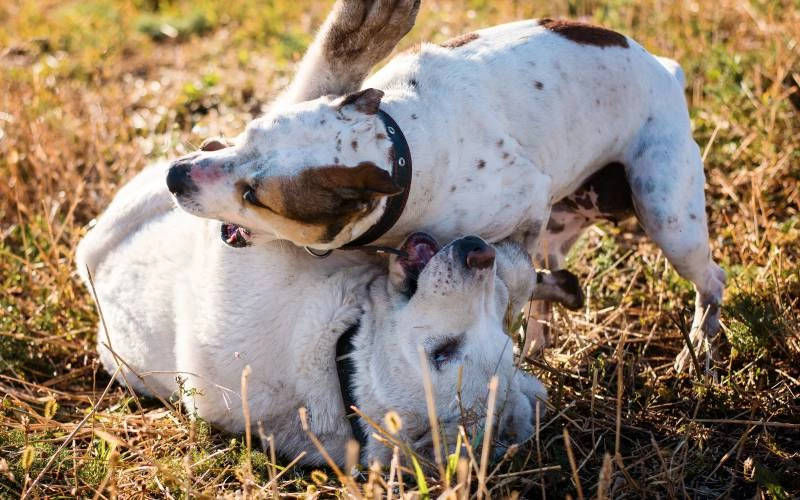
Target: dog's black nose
(178, 180)
(474, 252)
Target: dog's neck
(355, 356)
(419, 118)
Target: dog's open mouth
(420, 249)
(234, 236)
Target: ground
(93, 90)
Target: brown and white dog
(202, 311)
(501, 125)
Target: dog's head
(443, 320)
(315, 173)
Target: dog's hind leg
(665, 172)
(356, 35)
(605, 195)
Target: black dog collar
(401, 175)
(345, 369)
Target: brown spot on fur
(327, 198)
(585, 34)
(614, 199)
(539, 85)
(460, 40)
(354, 145)
(481, 164)
(380, 136)
(505, 155)
(584, 201)
(554, 227)
(500, 143)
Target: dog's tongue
(235, 236)
(421, 248)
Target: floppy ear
(365, 181)
(515, 270)
(366, 101)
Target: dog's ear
(365, 101)
(214, 144)
(404, 270)
(515, 270)
(365, 181)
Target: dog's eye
(445, 351)
(250, 197)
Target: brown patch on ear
(585, 34)
(460, 40)
(329, 197)
(365, 181)
(365, 101)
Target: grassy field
(92, 90)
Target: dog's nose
(476, 254)
(178, 180)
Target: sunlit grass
(91, 91)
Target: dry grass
(91, 91)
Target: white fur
(178, 302)
(539, 113)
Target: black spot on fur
(481, 164)
(539, 85)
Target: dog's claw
(704, 342)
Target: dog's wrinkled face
(446, 318)
(314, 173)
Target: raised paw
(362, 32)
(559, 286)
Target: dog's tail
(674, 68)
(143, 198)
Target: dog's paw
(559, 286)
(705, 348)
(364, 32)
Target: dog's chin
(235, 236)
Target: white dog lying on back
(179, 302)
(501, 124)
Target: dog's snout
(179, 181)
(474, 252)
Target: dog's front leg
(356, 35)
